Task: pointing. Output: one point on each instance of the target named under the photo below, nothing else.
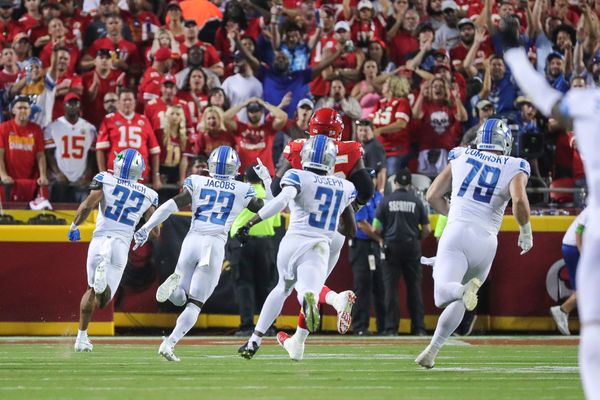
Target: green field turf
(333, 368)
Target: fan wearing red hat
(126, 55)
(150, 85)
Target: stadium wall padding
(42, 278)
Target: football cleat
(166, 350)
(248, 349)
(100, 279)
(427, 358)
(562, 320)
(311, 312)
(470, 294)
(343, 304)
(83, 345)
(167, 288)
(294, 349)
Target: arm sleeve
(162, 213)
(278, 203)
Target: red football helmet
(326, 121)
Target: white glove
(140, 237)
(525, 238)
(262, 172)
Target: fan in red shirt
(65, 82)
(149, 87)
(255, 139)
(212, 132)
(210, 59)
(22, 159)
(10, 70)
(8, 27)
(57, 32)
(440, 111)
(103, 79)
(128, 129)
(319, 86)
(156, 108)
(127, 57)
(367, 25)
(390, 118)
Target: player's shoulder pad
(153, 197)
(523, 165)
(100, 176)
(455, 153)
(188, 183)
(251, 192)
(291, 178)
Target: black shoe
(364, 332)
(244, 332)
(248, 350)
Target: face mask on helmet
(129, 164)
(319, 152)
(494, 135)
(223, 163)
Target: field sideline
(346, 367)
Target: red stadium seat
(560, 197)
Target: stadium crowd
(81, 80)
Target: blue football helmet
(494, 134)
(129, 164)
(223, 163)
(319, 152)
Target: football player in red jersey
(128, 129)
(349, 164)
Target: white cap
(306, 102)
(465, 21)
(449, 4)
(364, 4)
(341, 25)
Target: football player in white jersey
(482, 181)
(316, 200)
(580, 109)
(216, 202)
(122, 202)
(67, 141)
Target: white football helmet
(494, 134)
(129, 164)
(223, 163)
(319, 152)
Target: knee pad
(178, 297)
